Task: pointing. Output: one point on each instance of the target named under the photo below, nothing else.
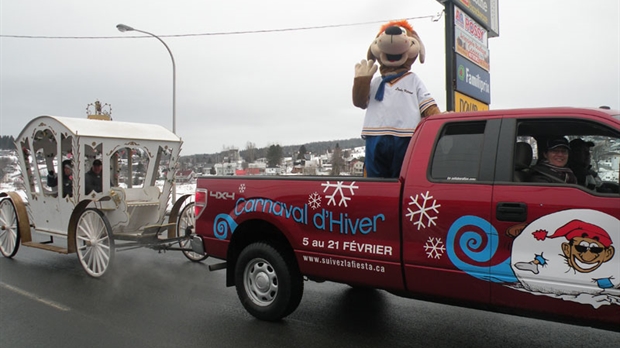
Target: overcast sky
(287, 87)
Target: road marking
(35, 297)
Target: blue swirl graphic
(469, 244)
(221, 225)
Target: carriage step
(147, 234)
(156, 229)
(49, 247)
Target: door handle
(511, 211)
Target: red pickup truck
(463, 224)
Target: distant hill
(318, 147)
(323, 146)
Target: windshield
(617, 117)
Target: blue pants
(385, 155)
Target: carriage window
(30, 166)
(93, 180)
(128, 167)
(162, 164)
(45, 157)
(458, 152)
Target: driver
(93, 178)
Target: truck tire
(268, 282)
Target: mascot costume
(395, 102)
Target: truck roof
(547, 111)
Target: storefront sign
(464, 103)
(469, 25)
(472, 80)
(471, 48)
(485, 12)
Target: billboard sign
(472, 80)
(464, 103)
(470, 48)
(485, 12)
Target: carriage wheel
(187, 219)
(93, 239)
(9, 230)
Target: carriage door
(48, 176)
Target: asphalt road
(163, 300)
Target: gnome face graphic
(588, 246)
(570, 255)
(585, 254)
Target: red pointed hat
(578, 228)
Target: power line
(434, 18)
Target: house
(184, 176)
(357, 167)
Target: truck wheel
(268, 283)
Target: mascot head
(396, 47)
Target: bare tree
(250, 152)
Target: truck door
(558, 241)
(448, 239)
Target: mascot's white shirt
(400, 111)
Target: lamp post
(123, 28)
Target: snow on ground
(181, 190)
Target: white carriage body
(132, 155)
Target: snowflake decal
(242, 188)
(314, 201)
(434, 248)
(338, 191)
(423, 207)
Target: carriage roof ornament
(98, 111)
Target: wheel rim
(188, 219)
(261, 282)
(93, 243)
(8, 228)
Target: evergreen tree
(302, 152)
(337, 161)
(7, 142)
(274, 155)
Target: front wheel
(268, 282)
(93, 239)
(9, 229)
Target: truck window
(593, 157)
(458, 152)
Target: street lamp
(123, 28)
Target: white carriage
(126, 210)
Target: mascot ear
(370, 56)
(422, 53)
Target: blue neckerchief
(384, 80)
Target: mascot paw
(365, 68)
